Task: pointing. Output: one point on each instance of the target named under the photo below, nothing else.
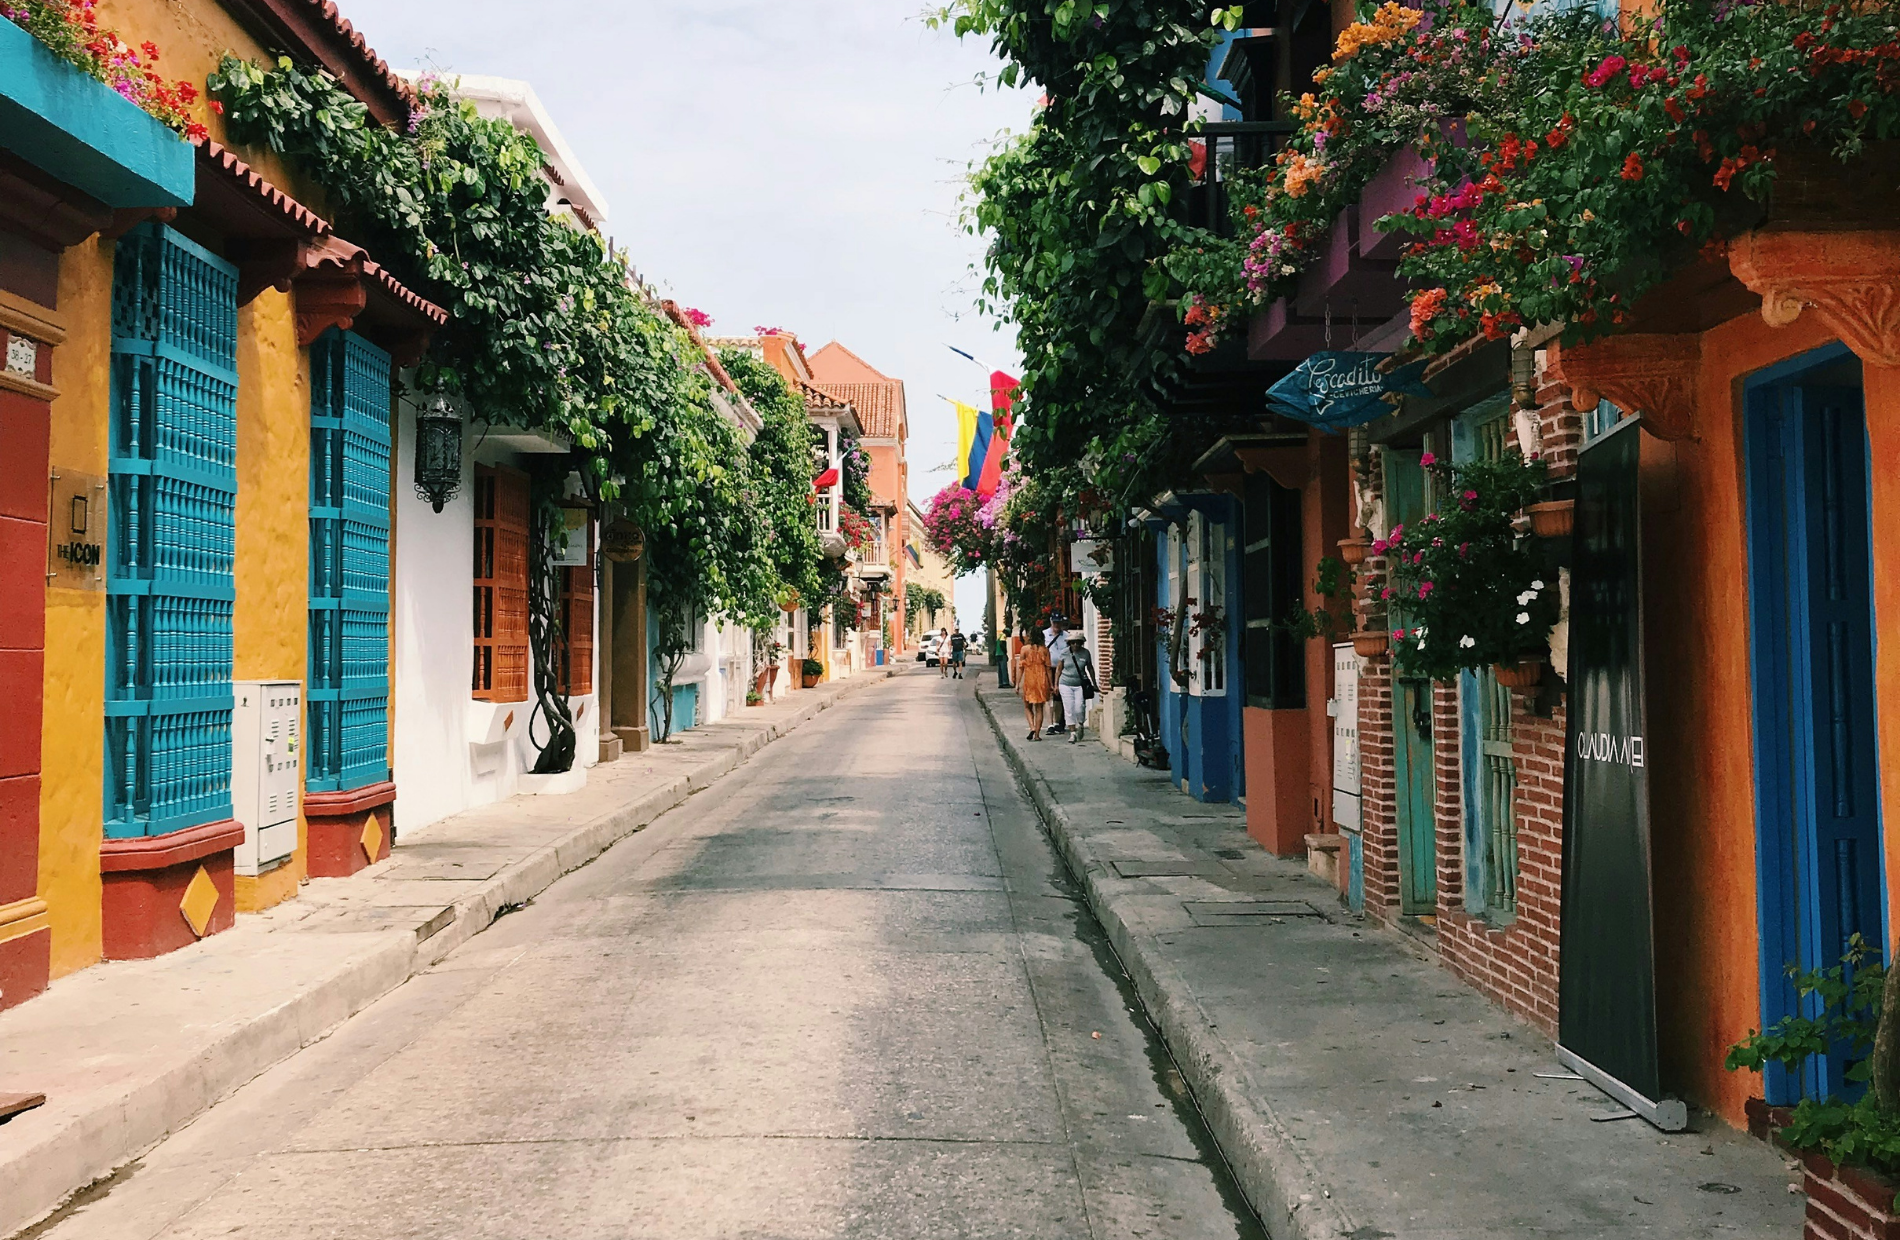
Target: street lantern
(438, 453)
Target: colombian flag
(967, 423)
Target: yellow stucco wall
(272, 506)
(269, 621)
(72, 729)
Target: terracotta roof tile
(223, 160)
(879, 405)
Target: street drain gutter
(1280, 1182)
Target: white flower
(1467, 641)
(1523, 617)
(1526, 597)
(1421, 643)
(1537, 585)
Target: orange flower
(1633, 167)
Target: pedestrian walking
(1075, 680)
(959, 649)
(1056, 638)
(1031, 671)
(943, 654)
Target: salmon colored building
(879, 402)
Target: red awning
(827, 479)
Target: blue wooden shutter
(169, 585)
(349, 563)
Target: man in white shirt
(1056, 637)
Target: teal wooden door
(1406, 500)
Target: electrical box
(266, 770)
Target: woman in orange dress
(1033, 680)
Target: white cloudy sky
(791, 163)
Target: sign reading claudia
(1336, 390)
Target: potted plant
(1353, 550)
(1849, 1141)
(1473, 593)
(1369, 643)
(812, 671)
(1552, 518)
(754, 698)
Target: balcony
(1233, 147)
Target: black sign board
(1606, 1015)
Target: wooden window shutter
(501, 585)
(577, 625)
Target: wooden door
(1407, 501)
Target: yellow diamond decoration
(201, 900)
(372, 838)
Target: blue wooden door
(1816, 764)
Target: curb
(1281, 1183)
(43, 1177)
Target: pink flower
(1428, 460)
(1424, 589)
(1611, 66)
(1380, 546)
(1386, 593)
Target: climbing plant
(1079, 209)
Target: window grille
(169, 580)
(501, 585)
(348, 693)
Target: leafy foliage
(70, 30)
(1470, 586)
(1846, 999)
(922, 602)
(1573, 163)
(1078, 208)
(780, 459)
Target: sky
(782, 163)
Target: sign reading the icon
(76, 531)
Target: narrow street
(847, 991)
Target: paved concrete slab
(771, 1013)
(129, 1051)
(1357, 1089)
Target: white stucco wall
(451, 751)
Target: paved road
(849, 992)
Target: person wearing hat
(1056, 638)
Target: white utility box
(266, 770)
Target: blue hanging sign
(1335, 390)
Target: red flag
(1002, 391)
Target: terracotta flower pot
(1371, 642)
(1523, 674)
(811, 682)
(1354, 550)
(1553, 518)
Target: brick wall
(1514, 964)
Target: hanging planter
(1353, 550)
(1523, 674)
(1553, 518)
(1371, 643)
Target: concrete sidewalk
(129, 1051)
(1357, 1089)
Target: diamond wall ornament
(372, 838)
(201, 900)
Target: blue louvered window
(169, 584)
(349, 563)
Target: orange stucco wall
(1701, 741)
(1882, 395)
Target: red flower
(1633, 167)
(1675, 111)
